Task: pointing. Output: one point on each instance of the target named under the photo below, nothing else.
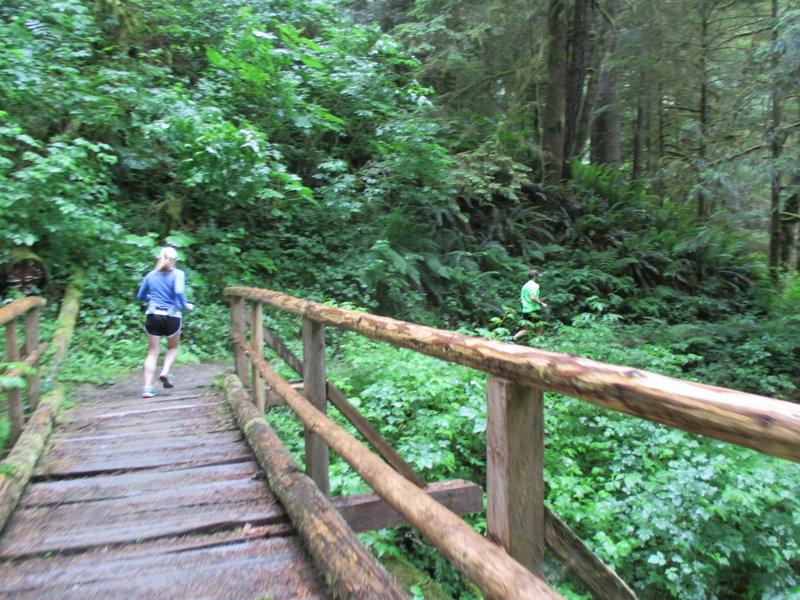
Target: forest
(415, 159)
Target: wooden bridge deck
(157, 498)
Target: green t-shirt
(529, 288)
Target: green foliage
(59, 199)
(676, 515)
(788, 302)
(281, 145)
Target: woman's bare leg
(172, 352)
(150, 362)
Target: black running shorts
(162, 325)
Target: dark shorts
(162, 325)
(528, 319)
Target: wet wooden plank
(127, 485)
(64, 458)
(274, 568)
(152, 498)
(172, 511)
(109, 415)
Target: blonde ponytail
(166, 258)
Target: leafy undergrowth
(677, 515)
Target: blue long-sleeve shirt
(164, 291)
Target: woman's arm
(180, 289)
(144, 291)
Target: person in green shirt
(529, 296)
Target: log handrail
(493, 571)
(28, 354)
(19, 307)
(516, 516)
(765, 424)
(17, 467)
(351, 571)
(338, 399)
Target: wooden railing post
(30, 345)
(15, 412)
(315, 389)
(239, 323)
(257, 327)
(515, 470)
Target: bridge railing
(29, 435)
(23, 357)
(516, 515)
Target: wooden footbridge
(192, 495)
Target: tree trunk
(638, 139)
(605, 147)
(577, 51)
(555, 101)
(704, 208)
(776, 150)
(790, 228)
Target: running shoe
(166, 380)
(148, 392)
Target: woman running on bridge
(163, 289)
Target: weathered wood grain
(367, 512)
(314, 381)
(131, 484)
(515, 470)
(167, 512)
(338, 399)
(482, 562)
(69, 459)
(350, 569)
(174, 432)
(152, 499)
(246, 568)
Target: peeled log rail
(765, 424)
(337, 398)
(487, 565)
(348, 567)
(29, 361)
(11, 311)
(18, 466)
